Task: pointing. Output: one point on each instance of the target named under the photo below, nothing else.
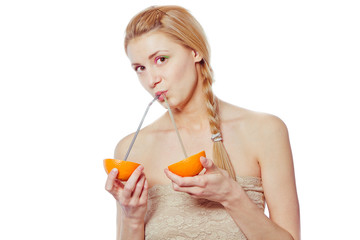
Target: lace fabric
(178, 216)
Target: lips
(161, 95)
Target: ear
(197, 57)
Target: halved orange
(188, 167)
(125, 168)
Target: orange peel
(188, 167)
(125, 168)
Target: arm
(128, 228)
(277, 171)
(131, 201)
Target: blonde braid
(220, 155)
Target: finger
(185, 181)
(208, 165)
(144, 193)
(139, 187)
(111, 179)
(131, 183)
(193, 191)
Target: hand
(132, 195)
(215, 184)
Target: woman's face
(164, 66)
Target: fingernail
(114, 170)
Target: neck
(193, 116)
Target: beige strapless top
(175, 215)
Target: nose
(154, 79)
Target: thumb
(208, 164)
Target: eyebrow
(151, 56)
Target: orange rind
(125, 168)
(188, 167)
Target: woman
(248, 154)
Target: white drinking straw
(138, 129)
(173, 121)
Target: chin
(172, 103)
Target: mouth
(161, 95)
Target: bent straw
(173, 121)
(138, 129)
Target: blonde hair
(183, 28)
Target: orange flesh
(125, 168)
(188, 167)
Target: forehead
(143, 46)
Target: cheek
(184, 71)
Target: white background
(68, 95)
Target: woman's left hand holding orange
(215, 184)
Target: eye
(139, 69)
(161, 59)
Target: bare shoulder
(122, 146)
(258, 123)
(273, 139)
(259, 131)
(265, 135)
(268, 125)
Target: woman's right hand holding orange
(131, 196)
